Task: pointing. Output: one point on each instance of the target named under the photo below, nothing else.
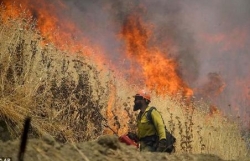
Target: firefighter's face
(138, 103)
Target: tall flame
(54, 25)
(158, 71)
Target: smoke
(208, 39)
(221, 31)
(101, 22)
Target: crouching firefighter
(151, 131)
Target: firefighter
(151, 137)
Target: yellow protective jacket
(146, 128)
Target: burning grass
(71, 98)
(62, 93)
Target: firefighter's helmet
(145, 94)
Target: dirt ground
(105, 148)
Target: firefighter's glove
(133, 136)
(162, 145)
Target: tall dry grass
(63, 93)
(72, 99)
(199, 131)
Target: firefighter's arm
(159, 124)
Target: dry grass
(198, 131)
(72, 99)
(62, 93)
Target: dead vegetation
(62, 93)
(70, 98)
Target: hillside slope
(74, 100)
(105, 148)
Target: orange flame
(109, 113)
(115, 124)
(55, 26)
(59, 31)
(158, 70)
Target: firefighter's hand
(162, 146)
(133, 136)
